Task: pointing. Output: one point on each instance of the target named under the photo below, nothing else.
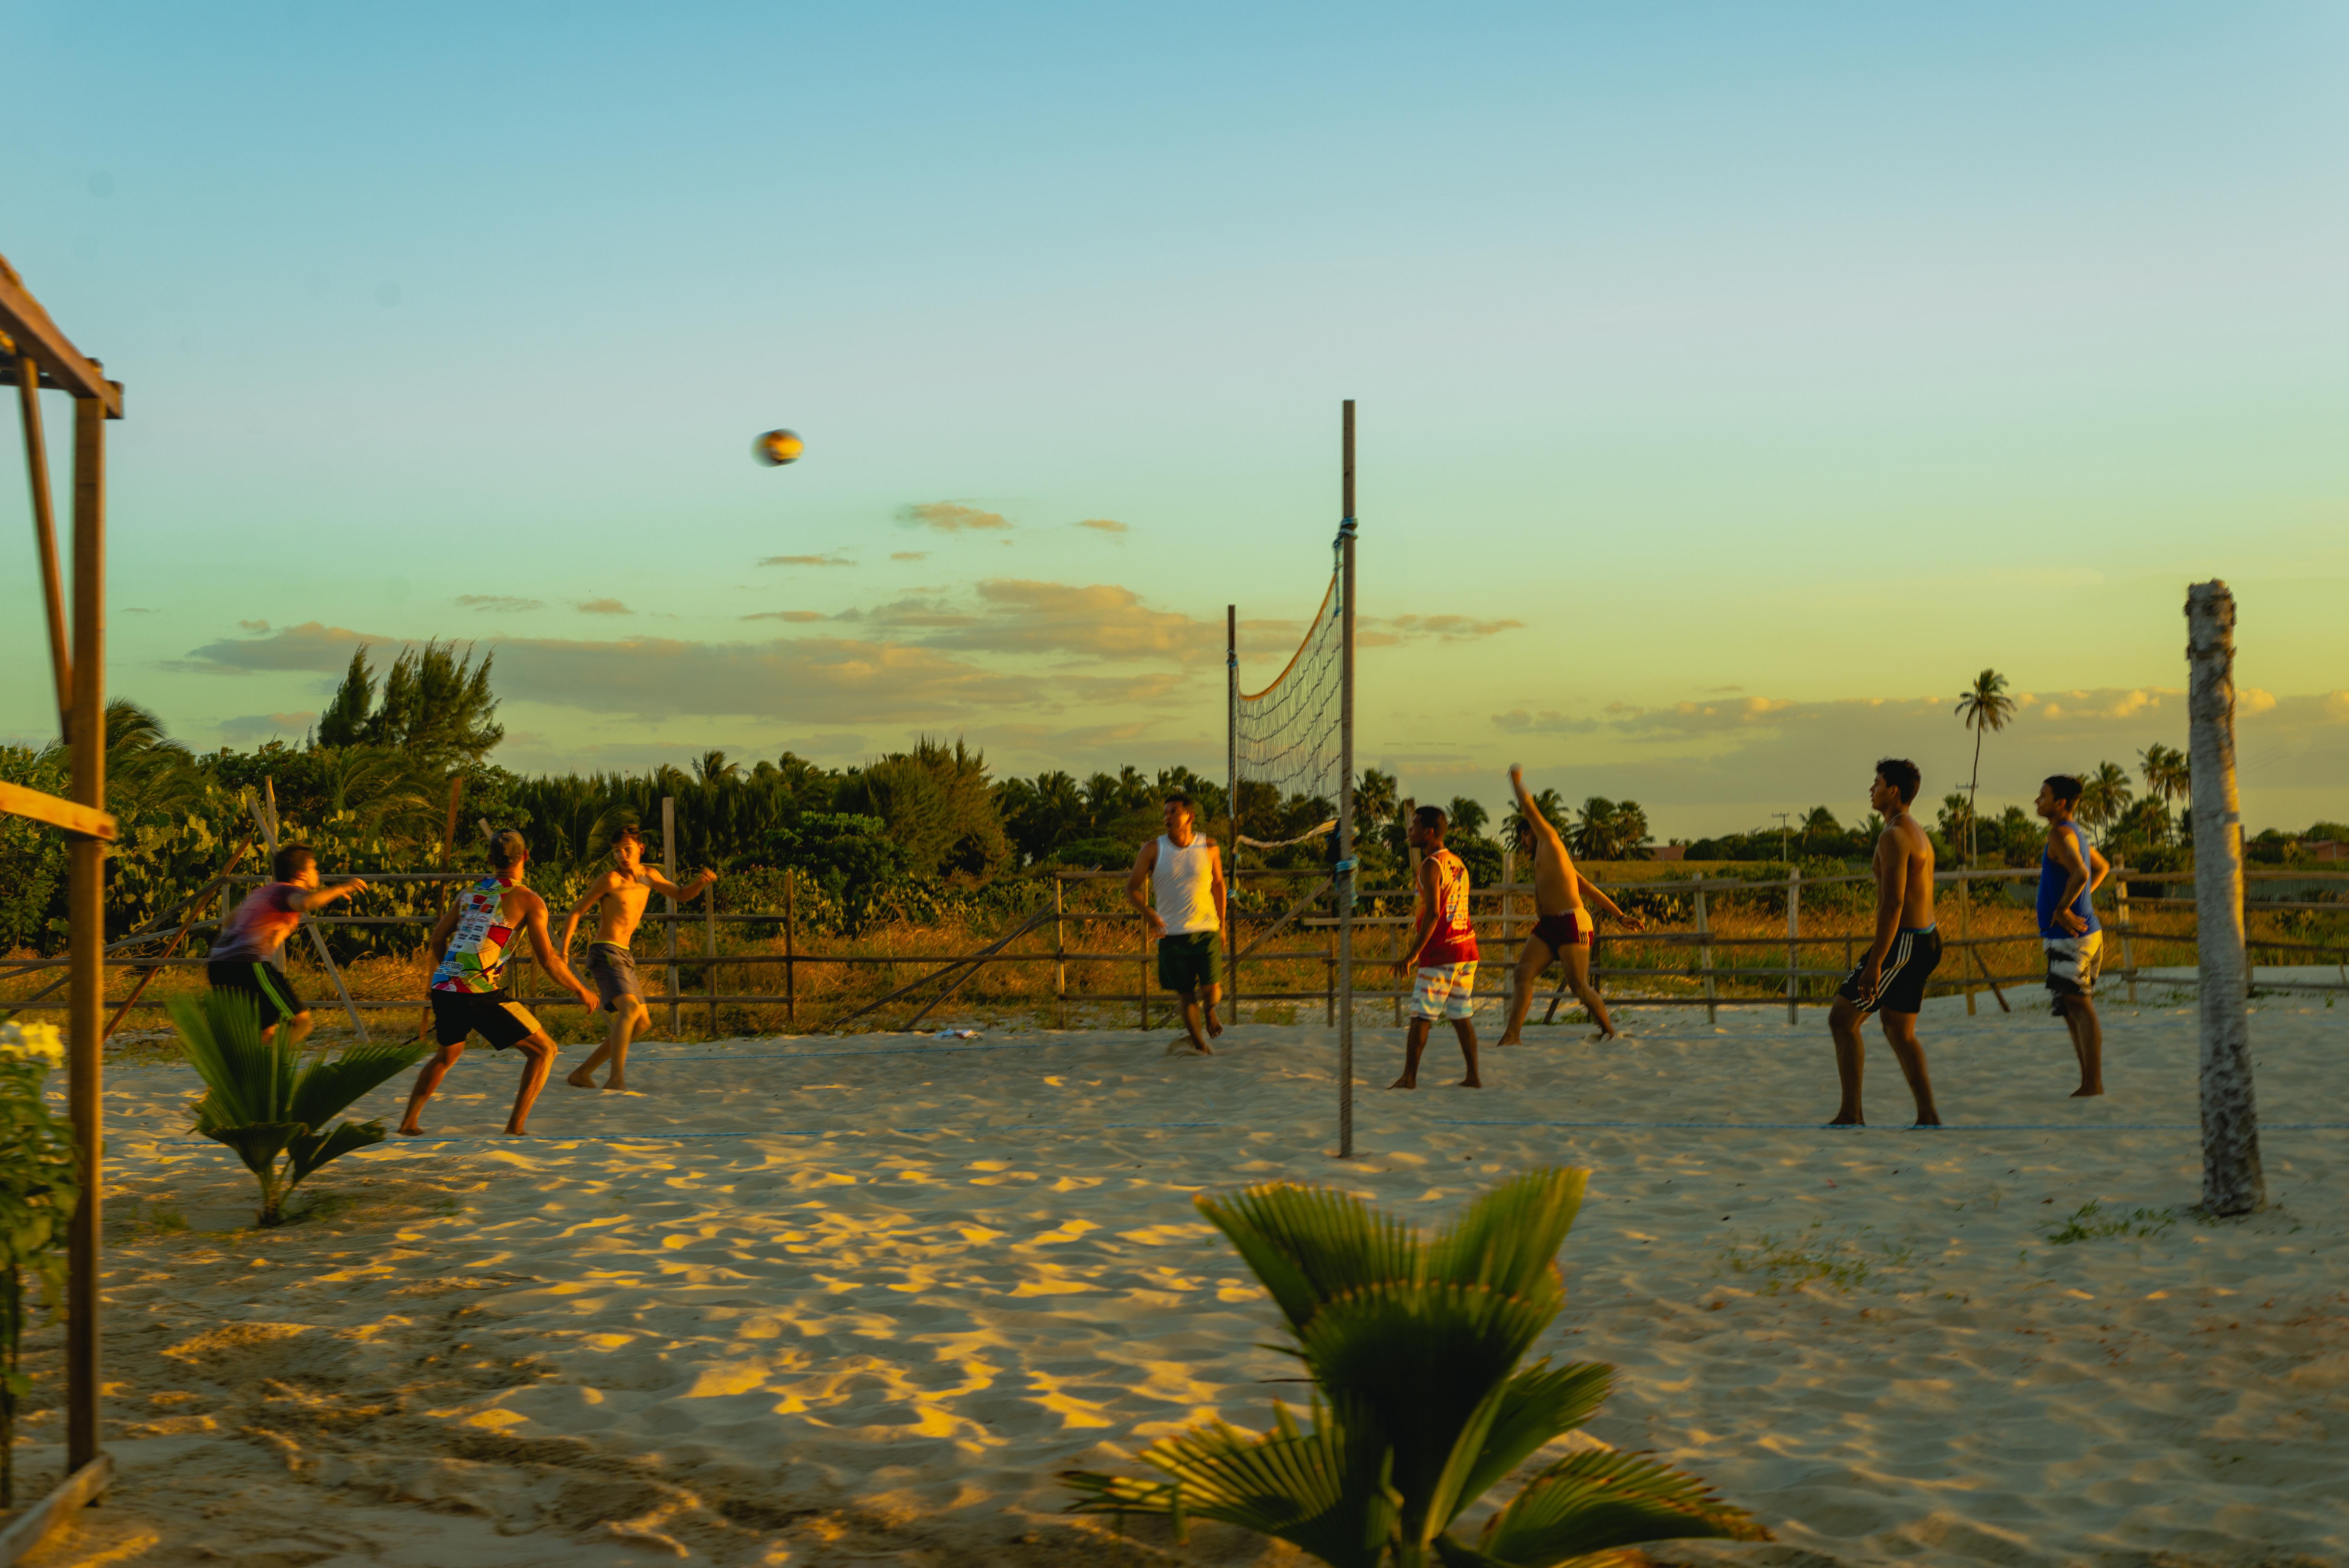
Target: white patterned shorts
(2072, 962)
(1442, 991)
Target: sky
(1734, 382)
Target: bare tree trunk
(2232, 1180)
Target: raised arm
(661, 884)
(309, 900)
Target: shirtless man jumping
(1891, 978)
(469, 989)
(1563, 931)
(620, 896)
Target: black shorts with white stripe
(1901, 983)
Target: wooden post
(790, 945)
(1508, 908)
(1398, 934)
(1060, 955)
(2121, 912)
(2232, 1181)
(668, 870)
(85, 917)
(1965, 930)
(1231, 810)
(709, 951)
(1142, 935)
(45, 538)
(1794, 933)
(1343, 887)
(1704, 956)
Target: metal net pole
(1343, 885)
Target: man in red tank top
(1444, 955)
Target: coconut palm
(274, 1112)
(1467, 817)
(2168, 775)
(1419, 1406)
(1983, 707)
(1517, 830)
(2103, 795)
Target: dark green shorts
(1191, 963)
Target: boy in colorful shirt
(469, 995)
(243, 956)
(2070, 872)
(1445, 955)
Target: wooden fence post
(709, 951)
(1508, 908)
(1704, 956)
(1793, 931)
(790, 945)
(2232, 1181)
(1060, 956)
(668, 869)
(1965, 930)
(1142, 933)
(2121, 910)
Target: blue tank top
(2052, 881)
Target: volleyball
(777, 448)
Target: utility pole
(1782, 817)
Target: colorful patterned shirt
(476, 958)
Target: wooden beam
(16, 801)
(45, 539)
(24, 320)
(25, 1531)
(86, 920)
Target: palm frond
(1539, 1405)
(1307, 1487)
(246, 1079)
(311, 1150)
(1422, 1368)
(1602, 1501)
(327, 1089)
(1509, 1237)
(258, 1144)
(1311, 1245)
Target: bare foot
(2087, 1091)
(1469, 1083)
(1925, 1121)
(411, 1132)
(1506, 1040)
(517, 1132)
(1853, 1120)
(1215, 1026)
(582, 1079)
(1403, 1083)
(614, 1083)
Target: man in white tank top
(1185, 873)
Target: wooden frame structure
(37, 357)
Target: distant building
(1671, 852)
(2326, 850)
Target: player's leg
(2087, 1045)
(508, 1023)
(447, 1022)
(1844, 1020)
(1462, 1010)
(1535, 958)
(627, 1024)
(1900, 1032)
(1191, 1022)
(1414, 1042)
(1577, 959)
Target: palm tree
(260, 1105)
(1374, 801)
(2168, 775)
(1818, 823)
(1419, 1406)
(1468, 817)
(713, 768)
(1517, 832)
(1984, 707)
(2103, 795)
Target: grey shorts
(614, 969)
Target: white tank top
(1182, 886)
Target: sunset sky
(1735, 381)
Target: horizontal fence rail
(1306, 925)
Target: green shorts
(1191, 963)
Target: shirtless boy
(1891, 979)
(1185, 909)
(1443, 957)
(619, 897)
(2070, 872)
(469, 992)
(243, 956)
(1563, 931)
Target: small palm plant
(274, 1112)
(1420, 1407)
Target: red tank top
(1453, 939)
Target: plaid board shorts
(1443, 991)
(2072, 962)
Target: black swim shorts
(1901, 983)
(494, 1016)
(262, 981)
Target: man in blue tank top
(2070, 872)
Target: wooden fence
(1298, 932)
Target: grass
(1839, 1261)
(2093, 1222)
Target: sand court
(835, 1299)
